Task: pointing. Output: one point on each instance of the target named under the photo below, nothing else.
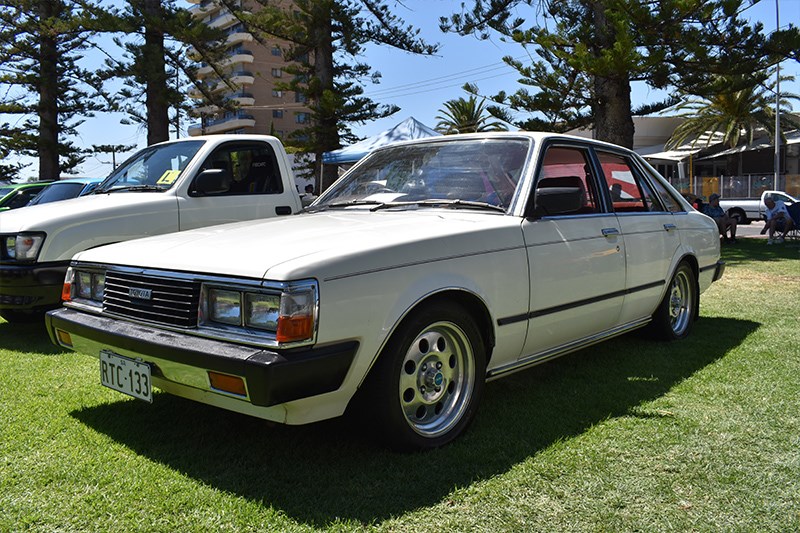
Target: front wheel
(677, 311)
(428, 381)
(22, 316)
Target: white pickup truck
(746, 210)
(167, 187)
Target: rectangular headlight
(24, 246)
(98, 286)
(225, 306)
(262, 310)
(83, 290)
(84, 287)
(288, 311)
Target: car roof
(78, 180)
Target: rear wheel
(674, 317)
(427, 384)
(739, 215)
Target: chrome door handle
(670, 227)
(610, 231)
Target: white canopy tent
(407, 130)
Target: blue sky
(421, 85)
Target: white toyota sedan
(431, 267)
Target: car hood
(56, 215)
(318, 245)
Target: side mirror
(552, 201)
(211, 181)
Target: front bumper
(718, 271)
(176, 358)
(31, 286)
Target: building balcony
(232, 121)
(204, 8)
(223, 21)
(239, 37)
(242, 78)
(241, 99)
(237, 58)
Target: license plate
(125, 375)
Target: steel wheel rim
(437, 379)
(680, 302)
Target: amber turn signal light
(227, 383)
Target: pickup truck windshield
(464, 174)
(155, 168)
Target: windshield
(154, 168)
(5, 190)
(58, 191)
(463, 173)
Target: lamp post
(777, 107)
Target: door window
(564, 185)
(249, 169)
(628, 191)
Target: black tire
(740, 216)
(678, 310)
(17, 316)
(426, 386)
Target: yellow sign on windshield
(168, 177)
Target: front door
(576, 258)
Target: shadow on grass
(27, 337)
(757, 250)
(319, 473)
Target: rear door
(650, 231)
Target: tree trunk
(327, 124)
(48, 95)
(612, 102)
(156, 101)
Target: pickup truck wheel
(429, 380)
(15, 316)
(675, 314)
(740, 216)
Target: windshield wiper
(130, 188)
(452, 204)
(347, 204)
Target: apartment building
(253, 68)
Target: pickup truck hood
(46, 217)
(318, 245)
(94, 220)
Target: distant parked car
(66, 189)
(18, 195)
(429, 268)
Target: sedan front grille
(162, 300)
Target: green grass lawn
(629, 435)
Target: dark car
(65, 189)
(19, 194)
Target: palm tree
(466, 116)
(733, 116)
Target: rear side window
(628, 191)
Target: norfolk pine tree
(42, 83)
(597, 48)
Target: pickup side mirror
(553, 201)
(210, 181)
